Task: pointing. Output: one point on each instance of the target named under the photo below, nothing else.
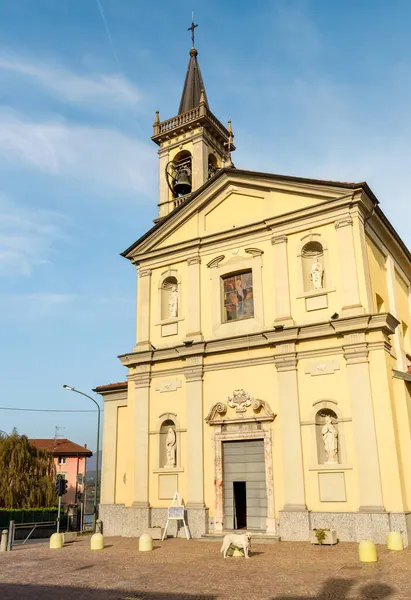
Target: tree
(27, 474)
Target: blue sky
(315, 88)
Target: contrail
(110, 39)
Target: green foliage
(321, 534)
(26, 474)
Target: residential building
(70, 460)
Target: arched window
(312, 256)
(179, 172)
(212, 165)
(169, 298)
(326, 429)
(168, 444)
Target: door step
(256, 537)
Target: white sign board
(176, 512)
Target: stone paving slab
(180, 569)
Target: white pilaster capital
(279, 239)
(346, 222)
(194, 260)
(194, 369)
(285, 358)
(142, 377)
(144, 273)
(355, 348)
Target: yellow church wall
(123, 458)
(161, 328)
(378, 274)
(326, 235)
(236, 206)
(329, 389)
(386, 430)
(162, 403)
(187, 231)
(403, 311)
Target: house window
(62, 460)
(238, 296)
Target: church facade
(269, 382)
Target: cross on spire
(193, 26)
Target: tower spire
(193, 84)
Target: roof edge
(238, 172)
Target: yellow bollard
(367, 551)
(145, 543)
(394, 541)
(56, 541)
(97, 541)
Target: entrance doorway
(245, 489)
(240, 505)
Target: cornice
(326, 205)
(351, 331)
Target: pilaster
(200, 162)
(286, 363)
(391, 285)
(281, 281)
(365, 439)
(164, 192)
(143, 310)
(140, 382)
(193, 303)
(194, 398)
(348, 268)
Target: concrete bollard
(145, 543)
(97, 541)
(367, 551)
(56, 541)
(394, 541)
(3, 543)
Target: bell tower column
(200, 161)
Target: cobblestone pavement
(190, 570)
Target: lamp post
(97, 484)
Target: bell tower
(193, 146)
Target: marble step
(257, 537)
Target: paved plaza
(179, 569)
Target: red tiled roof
(60, 446)
(119, 385)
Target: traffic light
(61, 486)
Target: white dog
(242, 542)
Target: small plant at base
(321, 534)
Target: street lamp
(72, 389)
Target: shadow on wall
(337, 589)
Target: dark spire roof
(193, 85)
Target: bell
(182, 184)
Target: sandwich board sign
(176, 512)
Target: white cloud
(35, 305)
(98, 156)
(109, 90)
(27, 237)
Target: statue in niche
(171, 446)
(330, 434)
(317, 273)
(173, 302)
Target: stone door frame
(237, 433)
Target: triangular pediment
(235, 200)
